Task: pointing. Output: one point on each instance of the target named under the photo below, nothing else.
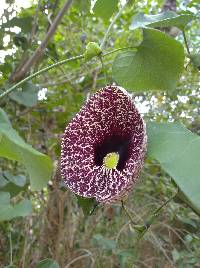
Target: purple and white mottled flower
(103, 147)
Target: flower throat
(111, 160)
(113, 152)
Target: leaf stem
(103, 68)
(38, 73)
(186, 43)
(111, 24)
(94, 208)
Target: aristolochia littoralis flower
(103, 147)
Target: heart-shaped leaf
(157, 64)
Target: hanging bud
(92, 50)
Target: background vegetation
(51, 224)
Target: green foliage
(195, 59)
(20, 41)
(48, 263)
(8, 212)
(27, 95)
(12, 184)
(13, 147)
(104, 8)
(165, 19)
(19, 180)
(24, 23)
(178, 152)
(156, 65)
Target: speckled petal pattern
(109, 122)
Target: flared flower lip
(109, 117)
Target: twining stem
(53, 66)
(186, 43)
(38, 73)
(111, 25)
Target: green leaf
(165, 19)
(12, 146)
(3, 180)
(13, 189)
(104, 243)
(20, 41)
(87, 204)
(105, 8)
(84, 6)
(26, 95)
(48, 263)
(12, 184)
(24, 23)
(19, 180)
(157, 64)
(4, 198)
(178, 151)
(8, 212)
(195, 59)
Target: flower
(103, 147)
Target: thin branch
(40, 50)
(38, 73)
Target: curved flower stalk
(103, 147)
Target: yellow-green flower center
(111, 160)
